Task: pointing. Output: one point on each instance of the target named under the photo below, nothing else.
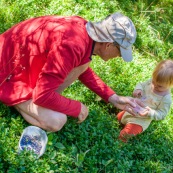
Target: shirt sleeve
(162, 111)
(60, 61)
(141, 85)
(94, 83)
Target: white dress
(160, 106)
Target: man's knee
(54, 124)
(45, 118)
(60, 124)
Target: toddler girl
(155, 93)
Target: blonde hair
(163, 73)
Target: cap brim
(126, 54)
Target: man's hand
(139, 108)
(83, 114)
(125, 103)
(121, 102)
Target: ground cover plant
(93, 147)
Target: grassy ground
(92, 147)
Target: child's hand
(145, 112)
(137, 93)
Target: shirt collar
(93, 44)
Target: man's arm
(90, 79)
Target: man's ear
(107, 45)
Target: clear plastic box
(35, 139)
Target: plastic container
(138, 109)
(33, 138)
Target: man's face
(108, 51)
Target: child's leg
(130, 130)
(120, 115)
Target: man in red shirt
(42, 56)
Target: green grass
(93, 147)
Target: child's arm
(159, 114)
(161, 111)
(139, 89)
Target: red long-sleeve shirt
(36, 56)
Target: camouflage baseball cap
(115, 28)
